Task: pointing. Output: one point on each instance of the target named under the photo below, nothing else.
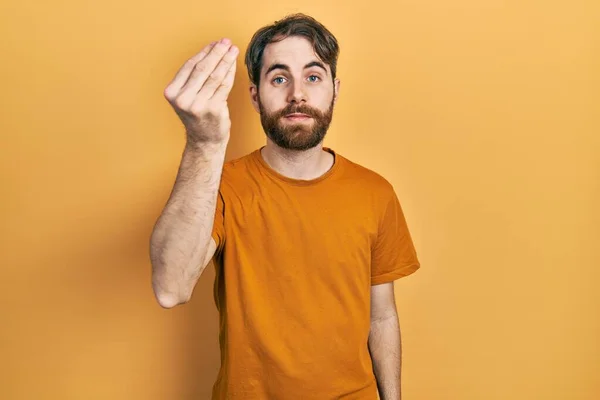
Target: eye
(279, 77)
(314, 76)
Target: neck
(304, 164)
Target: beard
(298, 136)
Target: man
(306, 244)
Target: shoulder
(237, 169)
(237, 165)
(370, 180)
(238, 178)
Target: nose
(297, 93)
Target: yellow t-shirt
(295, 262)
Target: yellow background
(483, 115)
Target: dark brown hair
(324, 43)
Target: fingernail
(225, 41)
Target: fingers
(216, 78)
(223, 90)
(184, 72)
(204, 68)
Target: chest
(335, 227)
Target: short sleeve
(218, 230)
(393, 254)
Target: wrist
(206, 148)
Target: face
(294, 81)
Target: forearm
(182, 232)
(386, 352)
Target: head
(292, 70)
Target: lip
(297, 117)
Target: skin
(385, 343)
(181, 239)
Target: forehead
(294, 51)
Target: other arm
(384, 341)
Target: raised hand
(199, 92)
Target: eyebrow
(287, 68)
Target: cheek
(272, 102)
(266, 95)
(323, 99)
(322, 93)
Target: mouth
(297, 116)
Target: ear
(254, 97)
(336, 90)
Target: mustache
(302, 109)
